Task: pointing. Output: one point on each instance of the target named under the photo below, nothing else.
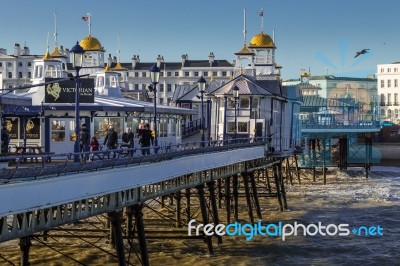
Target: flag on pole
(261, 13)
(85, 18)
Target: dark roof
(317, 101)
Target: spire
(55, 30)
(47, 55)
(261, 13)
(55, 52)
(118, 66)
(244, 26)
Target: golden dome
(47, 56)
(56, 52)
(119, 67)
(305, 74)
(107, 68)
(261, 40)
(244, 50)
(90, 43)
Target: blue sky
(321, 35)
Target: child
(94, 147)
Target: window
(382, 70)
(143, 86)
(396, 99)
(176, 74)
(395, 69)
(196, 73)
(161, 88)
(29, 64)
(29, 75)
(20, 75)
(9, 64)
(58, 130)
(169, 74)
(389, 99)
(161, 100)
(161, 73)
(136, 74)
(169, 88)
(1, 64)
(382, 83)
(389, 83)
(101, 124)
(136, 86)
(224, 73)
(215, 73)
(388, 70)
(396, 84)
(205, 73)
(242, 127)
(163, 128)
(187, 74)
(20, 64)
(244, 102)
(144, 74)
(10, 75)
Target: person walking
(111, 140)
(5, 140)
(84, 141)
(127, 140)
(145, 139)
(94, 148)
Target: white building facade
(389, 90)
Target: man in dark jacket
(5, 140)
(111, 140)
(127, 140)
(145, 139)
(84, 139)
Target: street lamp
(155, 77)
(202, 85)
(77, 61)
(235, 92)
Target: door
(62, 135)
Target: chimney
(211, 58)
(109, 60)
(184, 58)
(134, 61)
(26, 51)
(67, 54)
(17, 50)
(159, 60)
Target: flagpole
(90, 23)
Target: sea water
(346, 199)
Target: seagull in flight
(363, 51)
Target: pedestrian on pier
(94, 148)
(111, 140)
(5, 140)
(84, 138)
(145, 139)
(127, 140)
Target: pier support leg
(324, 152)
(297, 168)
(255, 195)
(115, 219)
(138, 212)
(204, 214)
(235, 186)
(129, 222)
(178, 197)
(211, 189)
(219, 184)
(314, 160)
(248, 199)
(25, 245)
(266, 174)
(228, 199)
(283, 191)
(288, 172)
(368, 152)
(278, 186)
(187, 195)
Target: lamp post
(155, 77)
(202, 85)
(77, 62)
(235, 92)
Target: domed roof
(305, 74)
(90, 43)
(261, 40)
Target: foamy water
(353, 199)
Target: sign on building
(64, 91)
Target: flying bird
(363, 51)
